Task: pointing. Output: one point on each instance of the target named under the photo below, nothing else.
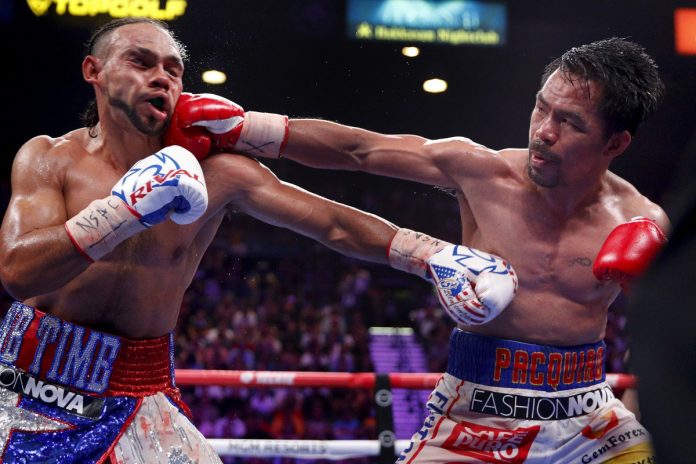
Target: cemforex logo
(167, 10)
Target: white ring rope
(303, 449)
(319, 449)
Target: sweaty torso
(559, 301)
(135, 291)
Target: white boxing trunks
(69, 394)
(503, 401)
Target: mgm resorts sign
(156, 9)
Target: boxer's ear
(618, 143)
(91, 66)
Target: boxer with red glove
(628, 251)
(206, 123)
(195, 139)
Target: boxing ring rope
(410, 381)
(324, 449)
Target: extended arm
(324, 144)
(473, 286)
(250, 187)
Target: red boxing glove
(195, 139)
(628, 250)
(229, 127)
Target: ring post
(385, 418)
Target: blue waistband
(507, 363)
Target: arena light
(214, 77)
(410, 52)
(685, 31)
(435, 85)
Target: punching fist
(170, 181)
(628, 250)
(473, 286)
(228, 126)
(195, 139)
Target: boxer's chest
(549, 254)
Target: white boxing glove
(169, 183)
(473, 286)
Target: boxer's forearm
(250, 187)
(327, 145)
(39, 262)
(360, 235)
(342, 228)
(324, 144)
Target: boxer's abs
(548, 319)
(123, 297)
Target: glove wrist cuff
(103, 224)
(263, 134)
(409, 250)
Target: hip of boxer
(72, 394)
(81, 360)
(508, 401)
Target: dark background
(292, 57)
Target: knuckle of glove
(474, 287)
(194, 139)
(152, 185)
(628, 250)
(495, 292)
(193, 201)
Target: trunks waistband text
(48, 347)
(512, 364)
(52, 395)
(539, 407)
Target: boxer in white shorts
(547, 208)
(502, 401)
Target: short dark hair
(90, 116)
(627, 75)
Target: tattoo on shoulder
(581, 261)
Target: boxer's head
(626, 76)
(592, 100)
(135, 66)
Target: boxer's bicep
(36, 254)
(327, 145)
(37, 200)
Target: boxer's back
(135, 291)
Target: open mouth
(157, 102)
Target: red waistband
(86, 360)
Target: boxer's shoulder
(53, 149)
(38, 158)
(624, 202)
(466, 159)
